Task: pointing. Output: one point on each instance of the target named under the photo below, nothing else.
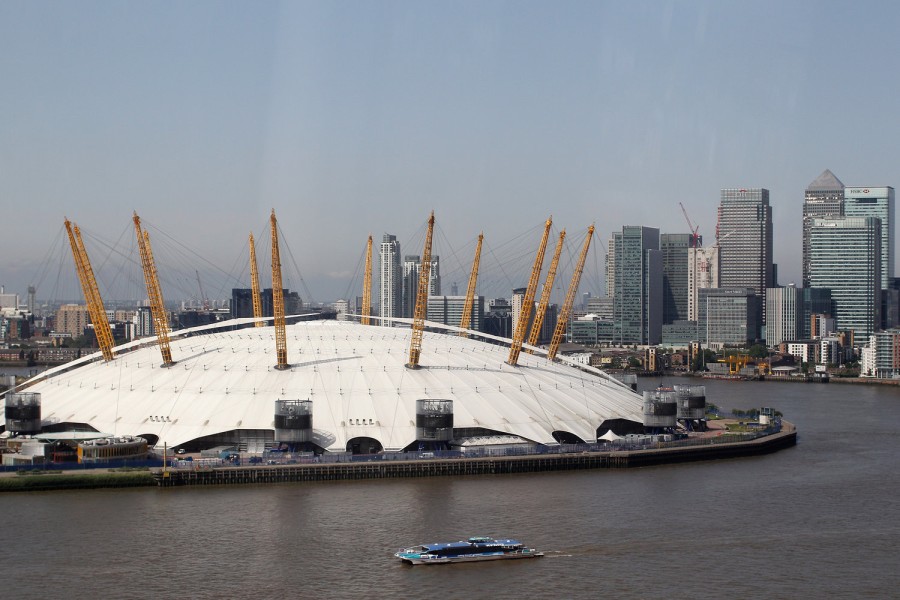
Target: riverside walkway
(705, 448)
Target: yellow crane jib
(278, 300)
(254, 285)
(91, 292)
(154, 293)
(515, 347)
(418, 327)
(367, 285)
(465, 321)
(564, 313)
(545, 293)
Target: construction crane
(736, 362)
(694, 243)
(545, 293)
(254, 285)
(91, 292)
(695, 238)
(418, 327)
(563, 319)
(367, 285)
(278, 300)
(528, 303)
(154, 292)
(465, 321)
(694, 282)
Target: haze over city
(357, 119)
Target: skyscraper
(845, 257)
(875, 202)
(824, 198)
(816, 305)
(411, 266)
(611, 268)
(449, 310)
(638, 294)
(728, 316)
(517, 303)
(703, 273)
(784, 312)
(390, 301)
(744, 234)
(242, 302)
(675, 248)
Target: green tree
(701, 360)
(758, 351)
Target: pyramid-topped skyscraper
(824, 198)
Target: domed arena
(224, 386)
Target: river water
(818, 520)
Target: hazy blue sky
(351, 118)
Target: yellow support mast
(563, 319)
(154, 292)
(91, 292)
(545, 293)
(528, 303)
(466, 319)
(278, 299)
(254, 285)
(418, 327)
(367, 286)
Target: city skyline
(202, 117)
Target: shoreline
(375, 469)
(613, 459)
(769, 378)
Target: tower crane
(694, 244)
(528, 303)
(367, 285)
(418, 327)
(154, 292)
(566, 310)
(711, 279)
(466, 319)
(91, 292)
(254, 285)
(278, 300)
(545, 293)
(695, 238)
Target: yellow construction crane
(736, 362)
(464, 322)
(418, 327)
(154, 292)
(278, 300)
(91, 292)
(545, 293)
(563, 319)
(254, 285)
(528, 303)
(367, 285)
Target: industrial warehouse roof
(354, 375)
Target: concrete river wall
(375, 469)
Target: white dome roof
(354, 375)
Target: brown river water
(821, 520)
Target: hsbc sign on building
(875, 202)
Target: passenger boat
(474, 549)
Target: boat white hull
(473, 558)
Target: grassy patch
(57, 481)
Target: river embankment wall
(265, 474)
